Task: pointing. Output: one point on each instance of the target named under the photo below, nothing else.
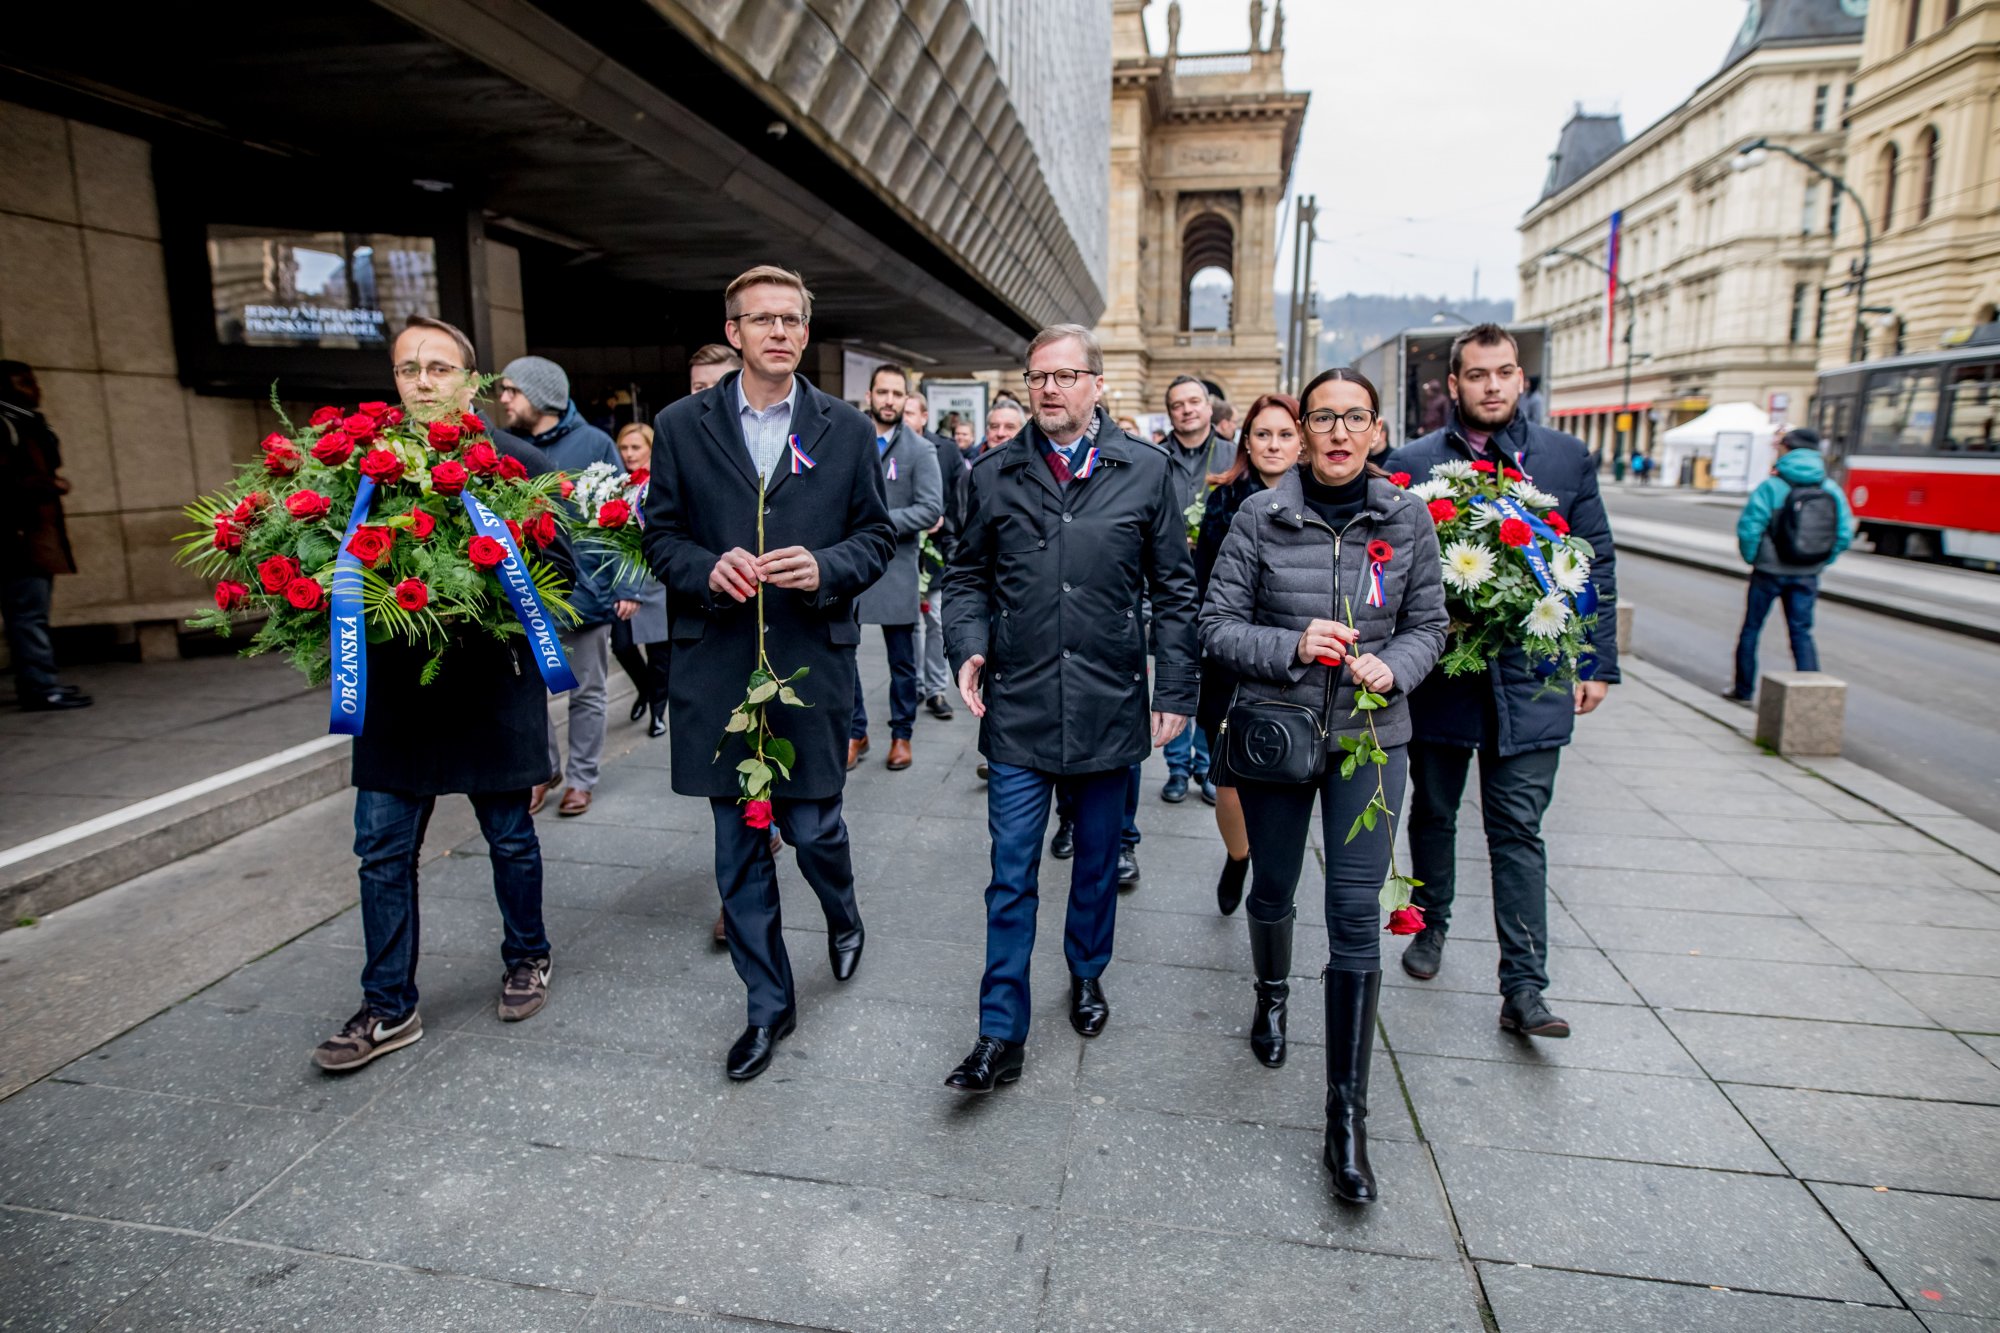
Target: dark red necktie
(1059, 465)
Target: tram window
(1972, 421)
(1836, 422)
(1901, 412)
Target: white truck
(1409, 370)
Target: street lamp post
(1753, 154)
(1554, 257)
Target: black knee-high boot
(1229, 889)
(1350, 1039)
(1271, 958)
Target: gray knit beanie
(540, 380)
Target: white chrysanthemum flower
(1453, 469)
(1547, 618)
(596, 486)
(1570, 571)
(1530, 494)
(1467, 565)
(1437, 488)
(1481, 515)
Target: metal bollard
(1801, 712)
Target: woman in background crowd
(640, 643)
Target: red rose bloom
(421, 523)
(281, 460)
(246, 508)
(568, 487)
(334, 448)
(514, 531)
(541, 529)
(361, 426)
(412, 595)
(1381, 552)
(376, 410)
(273, 441)
(381, 465)
(305, 594)
(1399, 478)
(1406, 921)
(1443, 511)
(443, 436)
(307, 506)
(326, 416)
(230, 594)
(1516, 533)
(448, 477)
(483, 458)
(614, 514)
(1557, 521)
(473, 425)
(757, 814)
(277, 573)
(512, 468)
(486, 554)
(369, 544)
(637, 479)
(1482, 466)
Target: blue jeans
(1017, 815)
(1128, 837)
(901, 642)
(388, 837)
(24, 605)
(1799, 592)
(1187, 753)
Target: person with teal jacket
(1795, 524)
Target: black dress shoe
(1128, 869)
(1424, 955)
(638, 708)
(940, 707)
(1176, 789)
(657, 727)
(54, 701)
(991, 1063)
(1229, 888)
(1527, 1013)
(1063, 846)
(1089, 1011)
(751, 1055)
(843, 950)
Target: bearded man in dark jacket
(479, 728)
(1507, 715)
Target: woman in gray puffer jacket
(1290, 593)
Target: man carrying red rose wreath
(480, 729)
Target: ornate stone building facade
(1201, 149)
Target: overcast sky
(1432, 120)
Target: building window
(1819, 318)
(1911, 18)
(1950, 12)
(1927, 197)
(1833, 216)
(1800, 291)
(1891, 158)
(1820, 96)
(1809, 214)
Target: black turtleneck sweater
(1336, 504)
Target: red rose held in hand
(1557, 521)
(1399, 478)
(326, 416)
(307, 506)
(443, 436)
(483, 458)
(1380, 551)
(412, 595)
(380, 465)
(230, 594)
(1482, 466)
(1443, 511)
(370, 544)
(757, 814)
(421, 524)
(486, 554)
(1406, 921)
(305, 594)
(614, 514)
(448, 477)
(277, 573)
(512, 468)
(228, 534)
(1516, 533)
(334, 448)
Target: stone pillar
(1801, 712)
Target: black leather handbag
(1267, 740)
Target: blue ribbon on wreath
(519, 590)
(1585, 600)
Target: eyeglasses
(410, 372)
(1064, 378)
(1356, 419)
(762, 320)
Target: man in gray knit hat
(534, 403)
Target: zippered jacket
(1798, 467)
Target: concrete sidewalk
(1780, 1110)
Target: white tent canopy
(1736, 438)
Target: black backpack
(1806, 526)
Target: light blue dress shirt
(764, 433)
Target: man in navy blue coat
(766, 438)
(1507, 716)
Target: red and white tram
(1916, 442)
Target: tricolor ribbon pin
(892, 469)
(801, 460)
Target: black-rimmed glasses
(1064, 378)
(1356, 419)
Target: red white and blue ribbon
(1089, 464)
(1375, 597)
(892, 469)
(801, 460)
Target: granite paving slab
(1582, 1112)
(1761, 1233)
(1474, 965)
(1547, 1300)
(1742, 827)
(1781, 990)
(1706, 934)
(1901, 904)
(1837, 1057)
(1604, 1036)
(1947, 1147)
(324, 982)
(1472, 919)
(1907, 948)
(1962, 1003)
(1941, 1254)
(63, 1273)
(143, 1157)
(580, 884)
(1722, 894)
(850, 1036)
(462, 928)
